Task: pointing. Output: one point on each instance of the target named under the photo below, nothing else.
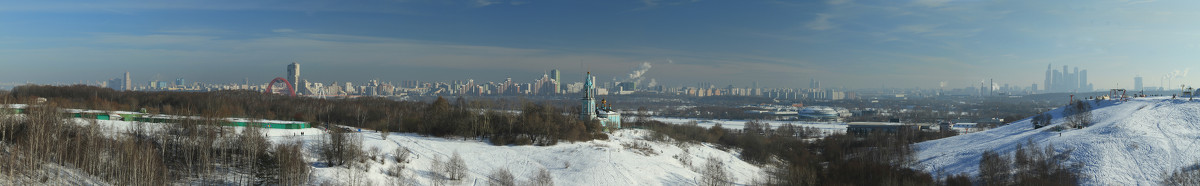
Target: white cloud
(654, 3)
(839, 2)
(283, 30)
(931, 3)
(821, 22)
(483, 3)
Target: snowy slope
(1133, 142)
(591, 163)
(597, 162)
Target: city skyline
(852, 44)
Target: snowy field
(1131, 143)
(597, 162)
(826, 127)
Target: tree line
(535, 124)
(198, 151)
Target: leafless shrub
(1189, 175)
(339, 147)
(685, 158)
(641, 148)
(293, 170)
(714, 173)
(456, 168)
(542, 178)
(372, 153)
(501, 177)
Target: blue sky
(850, 43)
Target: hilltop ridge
(1138, 141)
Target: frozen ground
(597, 162)
(1131, 143)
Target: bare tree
(542, 178)
(994, 168)
(714, 173)
(339, 147)
(456, 168)
(501, 177)
(437, 171)
(293, 170)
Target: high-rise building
(294, 75)
(1066, 80)
(1083, 82)
(1137, 83)
(128, 82)
(179, 82)
(554, 75)
(1049, 77)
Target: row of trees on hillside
(537, 124)
(1029, 165)
(837, 159)
(197, 151)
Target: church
(603, 112)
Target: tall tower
(1066, 80)
(554, 75)
(1137, 83)
(294, 75)
(1083, 83)
(128, 82)
(1049, 78)
(588, 111)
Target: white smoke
(652, 83)
(1180, 74)
(1177, 74)
(636, 75)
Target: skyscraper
(1137, 83)
(554, 75)
(1083, 82)
(294, 75)
(1049, 77)
(128, 82)
(1066, 80)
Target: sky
(842, 43)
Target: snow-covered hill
(597, 162)
(1132, 142)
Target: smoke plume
(636, 75)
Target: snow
(597, 162)
(52, 174)
(1132, 142)
(590, 163)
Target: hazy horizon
(842, 43)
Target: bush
(1189, 175)
(714, 173)
(456, 168)
(339, 147)
(293, 170)
(1078, 114)
(994, 169)
(542, 178)
(501, 177)
(1033, 166)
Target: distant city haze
(844, 44)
